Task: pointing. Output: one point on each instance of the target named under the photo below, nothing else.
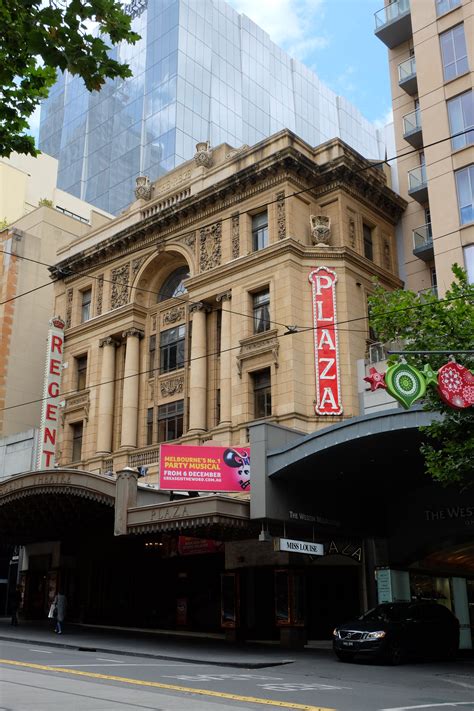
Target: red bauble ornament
(456, 385)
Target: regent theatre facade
(227, 307)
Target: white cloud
(292, 24)
(384, 119)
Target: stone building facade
(191, 315)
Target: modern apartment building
(201, 72)
(431, 55)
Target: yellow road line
(168, 687)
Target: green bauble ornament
(405, 383)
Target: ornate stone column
(130, 388)
(226, 358)
(198, 374)
(106, 396)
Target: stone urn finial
(320, 230)
(143, 187)
(203, 155)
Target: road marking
(119, 664)
(167, 687)
(451, 704)
(303, 687)
(459, 683)
(43, 651)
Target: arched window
(173, 285)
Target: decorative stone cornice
(172, 386)
(171, 316)
(348, 171)
(259, 344)
(108, 341)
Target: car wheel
(345, 656)
(395, 654)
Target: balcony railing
(430, 291)
(393, 23)
(407, 79)
(423, 242)
(412, 128)
(418, 184)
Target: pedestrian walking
(15, 605)
(60, 604)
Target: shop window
(290, 600)
(81, 372)
(151, 355)
(77, 435)
(86, 299)
(261, 311)
(149, 426)
(368, 242)
(174, 285)
(170, 421)
(172, 349)
(461, 120)
(259, 231)
(454, 52)
(262, 393)
(465, 190)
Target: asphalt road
(38, 678)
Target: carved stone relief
(210, 244)
(153, 323)
(352, 232)
(69, 296)
(177, 313)
(387, 253)
(189, 240)
(236, 152)
(320, 230)
(257, 345)
(100, 293)
(235, 236)
(281, 215)
(143, 188)
(172, 386)
(120, 281)
(136, 264)
(203, 155)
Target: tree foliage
(422, 322)
(39, 37)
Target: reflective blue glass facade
(201, 71)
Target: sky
(335, 38)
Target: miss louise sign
(192, 468)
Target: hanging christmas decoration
(456, 385)
(430, 375)
(405, 383)
(376, 379)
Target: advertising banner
(52, 385)
(198, 546)
(194, 468)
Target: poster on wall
(52, 387)
(326, 347)
(195, 468)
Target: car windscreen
(386, 613)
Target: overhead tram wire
(223, 219)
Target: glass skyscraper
(201, 71)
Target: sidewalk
(197, 648)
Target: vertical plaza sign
(52, 387)
(326, 347)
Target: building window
(81, 372)
(469, 262)
(465, 188)
(443, 6)
(261, 311)
(259, 231)
(149, 426)
(174, 284)
(368, 242)
(262, 393)
(218, 406)
(461, 120)
(454, 52)
(151, 356)
(172, 349)
(86, 305)
(77, 432)
(170, 421)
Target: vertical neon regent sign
(326, 347)
(52, 387)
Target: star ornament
(376, 379)
(430, 375)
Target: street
(39, 677)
